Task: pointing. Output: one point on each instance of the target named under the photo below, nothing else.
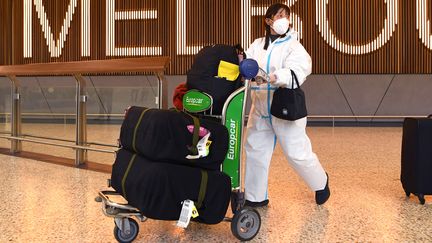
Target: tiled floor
(43, 202)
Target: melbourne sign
(310, 18)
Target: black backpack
(203, 73)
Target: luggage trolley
(246, 222)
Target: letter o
(423, 24)
(385, 35)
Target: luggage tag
(203, 147)
(188, 210)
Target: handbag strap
(294, 77)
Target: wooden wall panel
(5, 32)
(353, 23)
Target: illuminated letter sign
(85, 28)
(55, 47)
(182, 49)
(111, 17)
(381, 39)
(423, 24)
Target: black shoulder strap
(123, 182)
(136, 129)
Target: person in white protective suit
(278, 53)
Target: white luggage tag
(188, 210)
(203, 147)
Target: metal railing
(154, 65)
(48, 140)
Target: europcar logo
(232, 139)
(194, 101)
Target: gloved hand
(262, 77)
(280, 78)
(273, 78)
(260, 80)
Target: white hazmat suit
(263, 130)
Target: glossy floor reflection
(43, 202)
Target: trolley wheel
(98, 199)
(246, 224)
(122, 237)
(421, 198)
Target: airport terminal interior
(69, 71)
(46, 202)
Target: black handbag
(289, 104)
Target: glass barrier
(5, 111)
(48, 109)
(108, 98)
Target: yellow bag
(228, 70)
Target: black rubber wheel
(421, 198)
(122, 237)
(98, 199)
(246, 224)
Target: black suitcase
(163, 136)
(416, 157)
(158, 189)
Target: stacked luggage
(161, 163)
(214, 71)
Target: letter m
(55, 46)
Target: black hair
(270, 13)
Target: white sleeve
(250, 52)
(299, 61)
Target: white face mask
(280, 26)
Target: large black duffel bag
(157, 189)
(162, 135)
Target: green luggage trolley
(246, 222)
